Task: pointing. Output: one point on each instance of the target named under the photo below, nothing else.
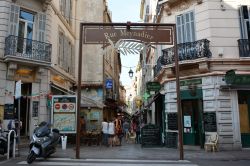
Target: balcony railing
(27, 49)
(244, 47)
(186, 51)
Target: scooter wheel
(31, 157)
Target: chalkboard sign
(172, 121)
(171, 139)
(150, 135)
(210, 121)
(9, 111)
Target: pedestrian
(126, 129)
(82, 126)
(105, 132)
(118, 129)
(138, 132)
(111, 133)
(1, 125)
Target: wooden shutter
(41, 27)
(13, 20)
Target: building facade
(213, 38)
(39, 47)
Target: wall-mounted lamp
(130, 73)
(220, 52)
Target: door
(192, 122)
(25, 33)
(244, 114)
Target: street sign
(18, 89)
(64, 113)
(109, 83)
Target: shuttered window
(66, 54)
(244, 14)
(66, 9)
(185, 27)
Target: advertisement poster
(187, 121)
(64, 113)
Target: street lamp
(130, 73)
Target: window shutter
(179, 30)
(67, 10)
(41, 24)
(60, 55)
(13, 20)
(65, 52)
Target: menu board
(9, 111)
(172, 121)
(171, 139)
(150, 135)
(210, 121)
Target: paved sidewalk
(134, 151)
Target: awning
(152, 100)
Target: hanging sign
(18, 89)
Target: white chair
(212, 143)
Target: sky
(122, 12)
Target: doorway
(244, 113)
(24, 108)
(192, 122)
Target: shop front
(191, 104)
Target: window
(66, 58)
(244, 14)
(66, 9)
(185, 27)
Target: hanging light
(130, 73)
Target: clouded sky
(123, 11)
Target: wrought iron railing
(26, 48)
(244, 47)
(186, 51)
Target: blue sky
(123, 11)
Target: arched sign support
(108, 33)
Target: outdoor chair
(212, 143)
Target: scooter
(4, 142)
(44, 142)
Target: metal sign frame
(112, 34)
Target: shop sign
(64, 113)
(153, 86)
(190, 82)
(233, 79)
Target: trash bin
(64, 142)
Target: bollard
(64, 142)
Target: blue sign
(109, 83)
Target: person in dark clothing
(138, 133)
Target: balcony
(27, 51)
(186, 52)
(244, 47)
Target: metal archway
(107, 33)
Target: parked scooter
(44, 142)
(4, 142)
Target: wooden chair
(212, 143)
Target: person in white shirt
(105, 132)
(111, 132)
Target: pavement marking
(118, 160)
(105, 164)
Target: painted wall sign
(100, 35)
(190, 82)
(64, 113)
